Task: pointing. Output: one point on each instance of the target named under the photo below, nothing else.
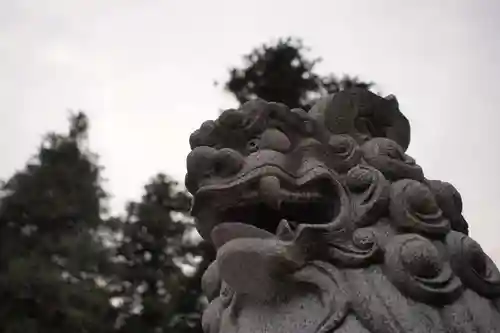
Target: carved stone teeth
(300, 196)
(285, 230)
(270, 191)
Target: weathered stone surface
(324, 224)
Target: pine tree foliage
(282, 72)
(51, 257)
(154, 248)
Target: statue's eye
(253, 145)
(395, 153)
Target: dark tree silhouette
(53, 264)
(155, 245)
(281, 72)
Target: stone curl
(369, 193)
(417, 268)
(475, 268)
(413, 208)
(390, 159)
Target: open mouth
(266, 200)
(268, 218)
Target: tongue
(270, 191)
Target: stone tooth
(270, 191)
(284, 231)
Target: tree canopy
(154, 247)
(51, 258)
(282, 72)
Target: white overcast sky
(143, 70)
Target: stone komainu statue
(322, 223)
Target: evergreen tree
(282, 72)
(193, 302)
(52, 261)
(154, 248)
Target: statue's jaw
(267, 198)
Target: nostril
(228, 162)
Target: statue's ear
(336, 113)
(339, 113)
